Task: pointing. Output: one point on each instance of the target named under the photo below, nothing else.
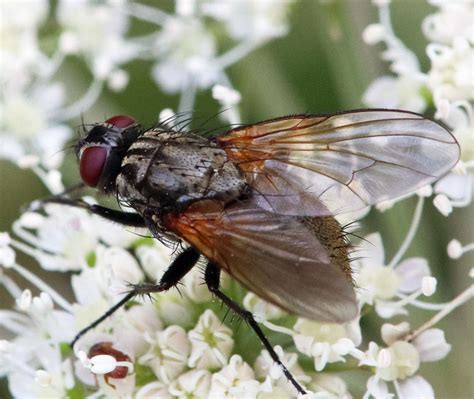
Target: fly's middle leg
(183, 263)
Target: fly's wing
(320, 165)
(275, 256)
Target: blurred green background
(322, 65)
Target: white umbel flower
(211, 342)
(168, 353)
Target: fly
(259, 201)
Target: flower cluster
(174, 344)
(447, 85)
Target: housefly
(259, 201)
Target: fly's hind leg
(212, 278)
(183, 263)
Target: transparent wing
(275, 256)
(344, 161)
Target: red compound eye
(121, 121)
(92, 164)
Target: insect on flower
(259, 201)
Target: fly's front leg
(183, 263)
(212, 278)
(125, 218)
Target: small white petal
(425, 191)
(431, 345)
(43, 378)
(226, 95)
(7, 257)
(442, 109)
(411, 272)
(343, 346)
(42, 304)
(387, 309)
(5, 239)
(377, 388)
(54, 181)
(455, 249)
(5, 346)
(185, 8)
(154, 389)
(69, 43)
(443, 204)
(428, 285)
(24, 302)
(416, 387)
(373, 33)
(393, 332)
(118, 80)
(28, 161)
(405, 361)
(166, 115)
(83, 358)
(384, 358)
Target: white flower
(153, 390)
(28, 125)
(97, 31)
(211, 342)
(185, 51)
(254, 20)
(63, 238)
(399, 361)
(174, 308)
(228, 98)
(275, 381)
(450, 76)
(432, 345)
(138, 323)
(154, 258)
(402, 92)
(378, 284)
(328, 386)
(19, 48)
(33, 363)
(261, 310)
(377, 388)
(194, 384)
(392, 333)
(326, 342)
(195, 287)
(116, 269)
(453, 20)
(236, 380)
(168, 353)
(416, 386)
(112, 366)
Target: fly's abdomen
(170, 170)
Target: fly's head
(101, 152)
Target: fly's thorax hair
(332, 236)
(168, 170)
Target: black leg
(175, 272)
(125, 218)
(212, 276)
